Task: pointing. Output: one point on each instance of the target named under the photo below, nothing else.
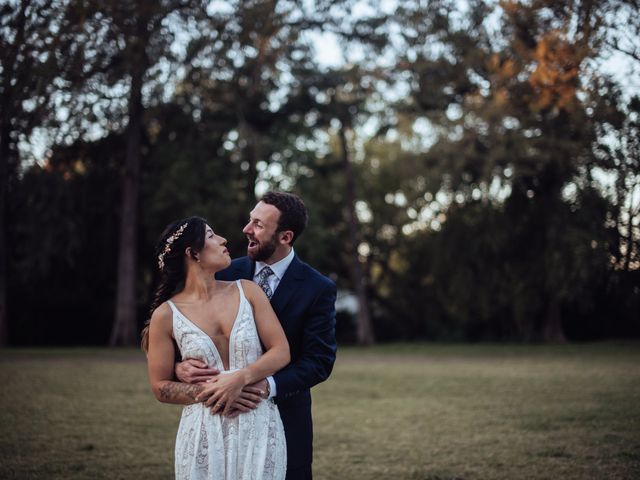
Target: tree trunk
(364, 329)
(631, 239)
(124, 330)
(552, 329)
(8, 66)
(4, 181)
(251, 153)
(550, 206)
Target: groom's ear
(286, 237)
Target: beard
(264, 250)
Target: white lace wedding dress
(249, 446)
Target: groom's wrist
(271, 392)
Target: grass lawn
(423, 412)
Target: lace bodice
(244, 342)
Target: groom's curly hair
(293, 213)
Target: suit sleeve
(318, 355)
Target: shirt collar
(278, 268)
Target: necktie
(263, 281)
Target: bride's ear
(190, 253)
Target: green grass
(423, 412)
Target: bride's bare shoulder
(251, 289)
(162, 316)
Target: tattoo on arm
(175, 392)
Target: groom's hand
(249, 399)
(194, 371)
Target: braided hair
(176, 238)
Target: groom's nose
(247, 228)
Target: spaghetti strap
(174, 309)
(242, 295)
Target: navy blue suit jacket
(305, 305)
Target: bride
(224, 324)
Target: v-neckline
(213, 343)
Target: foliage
(474, 172)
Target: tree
(618, 153)
(251, 61)
(38, 50)
(452, 162)
(510, 111)
(63, 234)
(146, 40)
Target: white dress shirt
(279, 268)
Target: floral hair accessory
(169, 242)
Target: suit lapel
(290, 282)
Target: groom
(304, 301)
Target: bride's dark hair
(175, 239)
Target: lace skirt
(249, 446)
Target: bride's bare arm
(224, 390)
(270, 332)
(160, 361)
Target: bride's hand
(223, 391)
